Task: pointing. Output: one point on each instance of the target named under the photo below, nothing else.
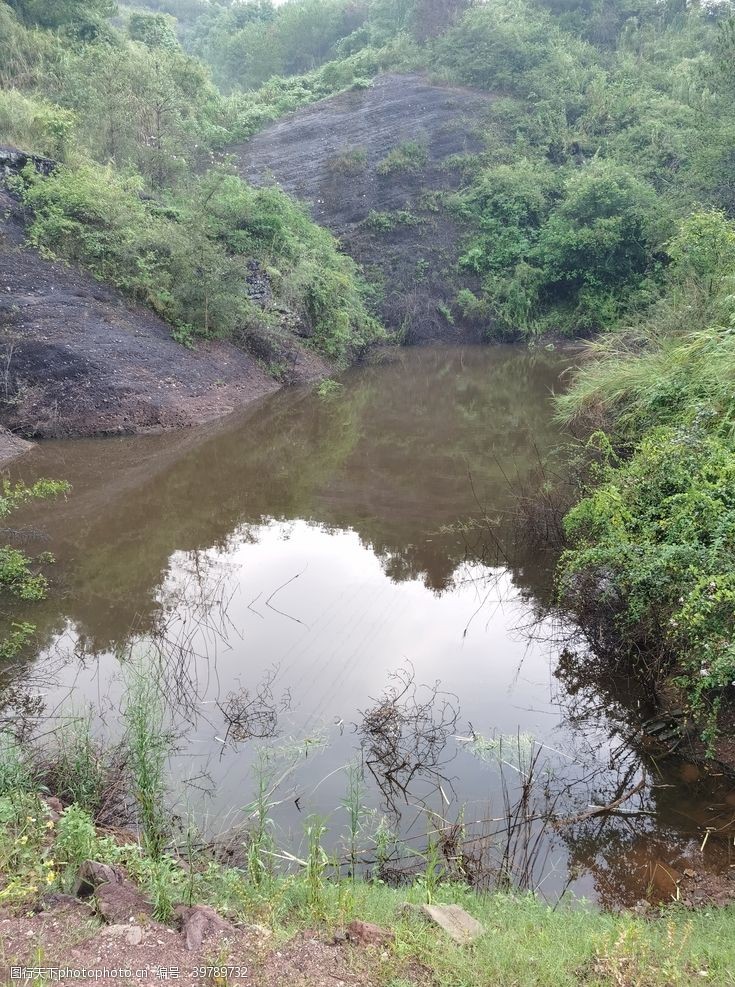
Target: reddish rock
(368, 934)
(199, 923)
(116, 898)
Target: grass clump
(148, 744)
(410, 157)
(386, 222)
(351, 161)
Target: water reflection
(281, 568)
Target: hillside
(375, 166)
(81, 360)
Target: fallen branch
(600, 810)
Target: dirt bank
(343, 156)
(11, 446)
(77, 359)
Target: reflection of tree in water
(643, 848)
(405, 738)
(388, 456)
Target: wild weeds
(17, 773)
(353, 803)
(317, 862)
(148, 745)
(433, 872)
(76, 839)
(77, 771)
(260, 844)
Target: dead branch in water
(601, 810)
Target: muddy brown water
(284, 570)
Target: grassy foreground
(525, 940)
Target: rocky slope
(77, 359)
(374, 165)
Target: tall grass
(632, 383)
(317, 862)
(78, 772)
(148, 744)
(354, 805)
(17, 772)
(260, 843)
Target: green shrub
(183, 255)
(351, 161)
(409, 157)
(651, 551)
(386, 222)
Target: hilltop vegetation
(141, 197)
(612, 123)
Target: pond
(335, 580)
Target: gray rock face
(13, 160)
(335, 156)
(455, 921)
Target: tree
(603, 235)
(154, 30)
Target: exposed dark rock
(76, 358)
(13, 160)
(333, 154)
(258, 285)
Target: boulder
(199, 923)
(455, 921)
(117, 899)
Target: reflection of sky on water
(313, 545)
(316, 606)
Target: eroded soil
(332, 155)
(67, 936)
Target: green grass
(525, 941)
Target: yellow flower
(50, 824)
(51, 877)
(22, 840)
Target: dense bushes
(652, 544)
(184, 253)
(567, 255)
(651, 558)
